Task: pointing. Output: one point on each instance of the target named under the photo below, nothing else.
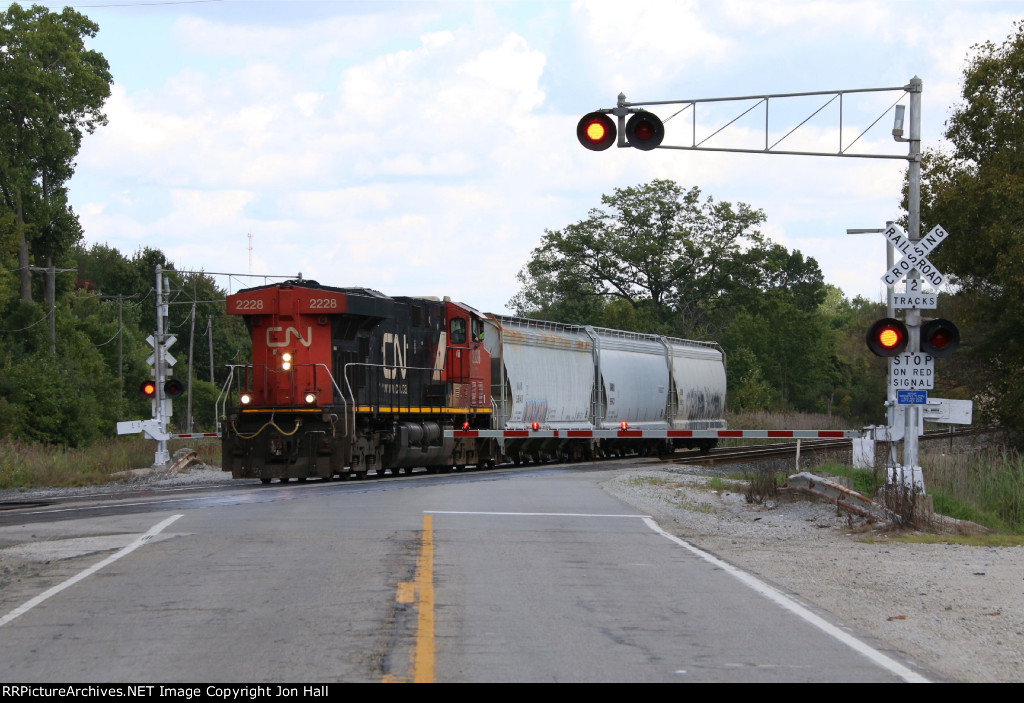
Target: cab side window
(478, 330)
(457, 330)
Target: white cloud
(641, 48)
(421, 149)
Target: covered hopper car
(346, 381)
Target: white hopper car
(571, 377)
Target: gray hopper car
(573, 377)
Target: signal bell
(940, 338)
(645, 131)
(596, 131)
(888, 337)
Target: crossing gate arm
(655, 434)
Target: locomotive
(348, 381)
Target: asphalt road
(527, 575)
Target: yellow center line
(423, 657)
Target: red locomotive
(347, 380)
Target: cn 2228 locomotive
(346, 381)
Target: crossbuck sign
(914, 254)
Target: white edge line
(784, 601)
(124, 551)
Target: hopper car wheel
(301, 479)
(284, 479)
(264, 481)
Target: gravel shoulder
(957, 609)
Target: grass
(864, 481)
(30, 465)
(717, 483)
(985, 485)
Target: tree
(51, 90)
(679, 264)
(656, 246)
(977, 194)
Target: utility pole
(51, 295)
(191, 345)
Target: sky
(422, 148)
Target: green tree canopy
(977, 194)
(678, 263)
(51, 91)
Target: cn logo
(400, 352)
(288, 335)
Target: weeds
(763, 483)
(30, 465)
(984, 486)
(693, 506)
(717, 483)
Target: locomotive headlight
(245, 399)
(286, 361)
(310, 397)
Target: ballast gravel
(957, 610)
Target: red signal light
(887, 337)
(940, 338)
(645, 131)
(535, 426)
(596, 131)
(173, 388)
(148, 389)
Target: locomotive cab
(347, 380)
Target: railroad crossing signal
(914, 254)
(597, 131)
(173, 388)
(645, 131)
(888, 337)
(160, 364)
(939, 337)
